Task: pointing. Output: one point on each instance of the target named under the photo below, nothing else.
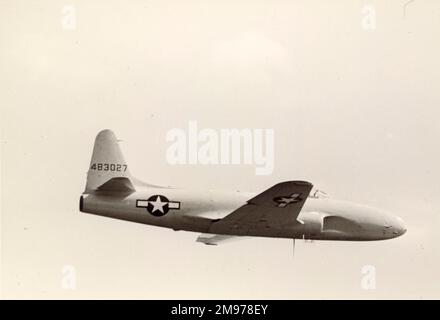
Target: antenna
(293, 247)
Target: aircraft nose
(398, 227)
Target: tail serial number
(109, 167)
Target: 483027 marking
(109, 167)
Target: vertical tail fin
(107, 164)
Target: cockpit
(318, 194)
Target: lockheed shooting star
(286, 210)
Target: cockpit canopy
(318, 194)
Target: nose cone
(398, 227)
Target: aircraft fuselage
(198, 211)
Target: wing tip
(296, 183)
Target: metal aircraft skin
(286, 210)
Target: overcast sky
(351, 90)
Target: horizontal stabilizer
(119, 184)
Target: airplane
(288, 209)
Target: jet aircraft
(288, 209)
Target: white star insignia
(158, 205)
(285, 201)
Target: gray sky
(354, 110)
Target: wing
(273, 209)
(215, 239)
